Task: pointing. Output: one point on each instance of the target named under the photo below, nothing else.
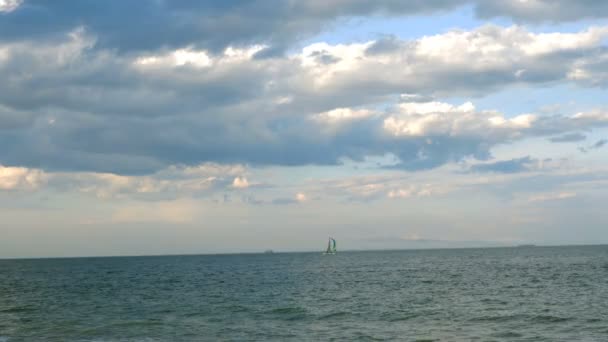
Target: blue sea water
(498, 294)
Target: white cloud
(181, 57)
(240, 183)
(422, 190)
(434, 64)
(551, 196)
(21, 178)
(169, 183)
(197, 58)
(340, 115)
(312, 107)
(443, 119)
(301, 197)
(9, 5)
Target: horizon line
(262, 252)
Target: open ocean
(495, 294)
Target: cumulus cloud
(74, 104)
(154, 25)
(21, 178)
(240, 183)
(170, 183)
(9, 5)
(340, 115)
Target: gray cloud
(543, 10)
(599, 144)
(84, 102)
(570, 137)
(507, 166)
(152, 25)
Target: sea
(492, 294)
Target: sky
(176, 127)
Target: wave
(289, 313)
(508, 334)
(17, 309)
(505, 318)
(550, 319)
(288, 310)
(535, 319)
(335, 315)
(135, 323)
(403, 318)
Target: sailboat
(331, 247)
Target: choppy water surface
(505, 294)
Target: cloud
(341, 115)
(507, 166)
(83, 104)
(385, 185)
(551, 197)
(301, 197)
(298, 198)
(174, 182)
(153, 25)
(240, 183)
(543, 10)
(416, 191)
(570, 137)
(21, 178)
(156, 25)
(599, 144)
(9, 5)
